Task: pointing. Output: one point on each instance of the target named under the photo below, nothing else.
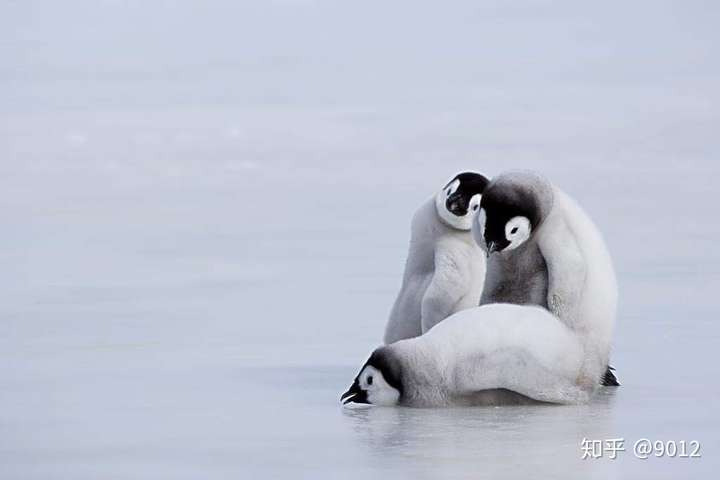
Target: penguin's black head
(379, 381)
(509, 213)
(459, 200)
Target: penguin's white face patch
(474, 204)
(517, 230)
(379, 391)
(452, 188)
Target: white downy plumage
(493, 354)
(543, 250)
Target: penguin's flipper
(609, 379)
(451, 276)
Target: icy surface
(206, 206)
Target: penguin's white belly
(491, 398)
(469, 300)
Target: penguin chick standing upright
(445, 268)
(544, 250)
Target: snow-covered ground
(206, 205)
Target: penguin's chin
(450, 219)
(384, 398)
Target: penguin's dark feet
(609, 379)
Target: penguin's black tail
(609, 379)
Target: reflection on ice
(493, 441)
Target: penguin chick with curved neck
(445, 268)
(489, 355)
(544, 250)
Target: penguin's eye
(448, 191)
(369, 380)
(514, 230)
(475, 208)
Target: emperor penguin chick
(495, 354)
(544, 250)
(445, 268)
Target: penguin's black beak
(355, 394)
(492, 247)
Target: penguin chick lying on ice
(488, 355)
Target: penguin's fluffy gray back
(493, 354)
(594, 314)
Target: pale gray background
(205, 210)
